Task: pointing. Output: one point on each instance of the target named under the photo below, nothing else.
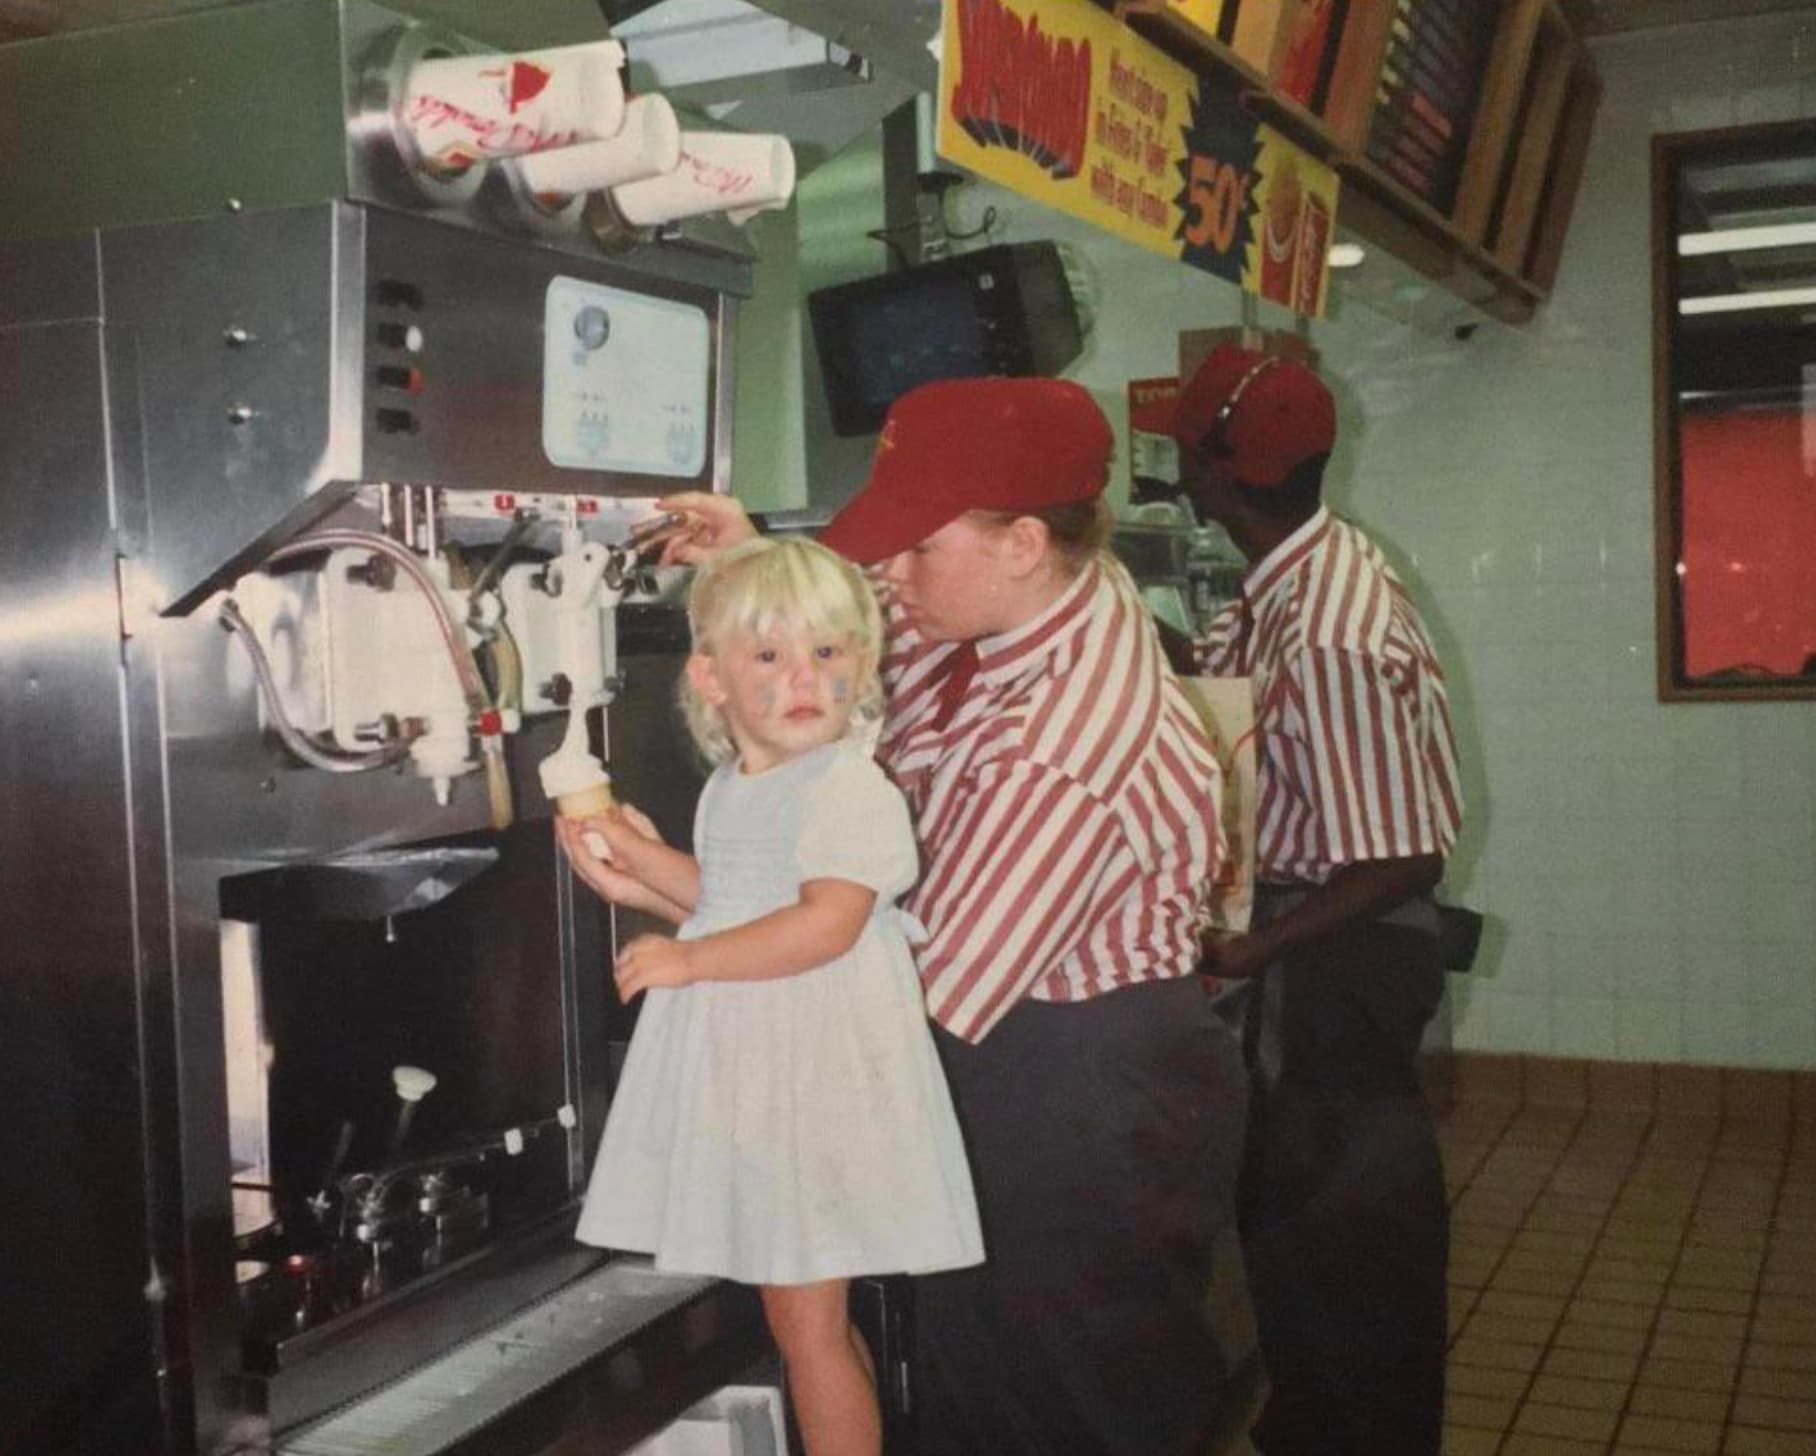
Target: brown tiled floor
(1633, 1267)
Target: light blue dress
(795, 1129)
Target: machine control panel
(626, 381)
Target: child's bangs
(794, 594)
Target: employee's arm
(1353, 894)
(710, 524)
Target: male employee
(1346, 1227)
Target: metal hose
(453, 635)
(311, 753)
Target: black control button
(395, 293)
(398, 376)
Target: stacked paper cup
(562, 118)
(463, 110)
(648, 143)
(717, 172)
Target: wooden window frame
(1667, 482)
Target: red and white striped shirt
(1358, 760)
(1067, 812)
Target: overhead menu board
(1426, 96)
(1061, 102)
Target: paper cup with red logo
(463, 110)
(647, 145)
(718, 172)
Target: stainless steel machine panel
(290, 356)
(250, 380)
(74, 1319)
(49, 282)
(465, 408)
(142, 799)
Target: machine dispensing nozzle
(412, 1084)
(588, 580)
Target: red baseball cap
(957, 445)
(1280, 417)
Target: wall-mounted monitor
(1001, 310)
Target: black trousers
(1104, 1139)
(1344, 1219)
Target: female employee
(1064, 800)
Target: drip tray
(621, 1322)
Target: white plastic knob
(413, 1083)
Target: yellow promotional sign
(1062, 103)
(1207, 15)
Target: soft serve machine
(342, 357)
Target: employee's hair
(791, 587)
(1077, 529)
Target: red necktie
(955, 673)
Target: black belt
(1458, 929)
(1418, 913)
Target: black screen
(904, 339)
(1000, 310)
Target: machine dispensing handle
(656, 530)
(321, 1202)
(413, 1083)
(343, 1144)
(501, 556)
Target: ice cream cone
(584, 803)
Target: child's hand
(652, 960)
(605, 852)
(639, 822)
(581, 840)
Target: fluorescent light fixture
(1739, 302)
(1347, 255)
(1746, 240)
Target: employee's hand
(1234, 957)
(652, 960)
(713, 522)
